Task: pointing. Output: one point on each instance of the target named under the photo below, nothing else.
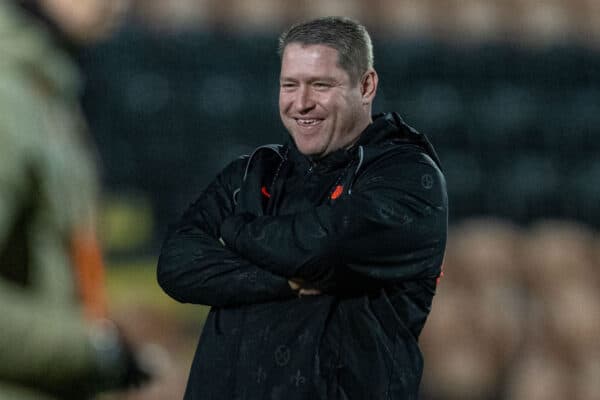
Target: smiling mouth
(308, 122)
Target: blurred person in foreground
(319, 257)
(55, 342)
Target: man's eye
(288, 85)
(321, 85)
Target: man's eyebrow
(314, 79)
(327, 79)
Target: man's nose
(304, 100)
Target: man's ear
(368, 86)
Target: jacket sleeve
(391, 226)
(194, 266)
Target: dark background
(517, 128)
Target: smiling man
(321, 105)
(319, 257)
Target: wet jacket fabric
(367, 226)
(47, 191)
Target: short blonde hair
(347, 36)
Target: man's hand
(298, 286)
(119, 365)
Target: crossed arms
(390, 228)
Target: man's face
(318, 104)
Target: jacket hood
(391, 128)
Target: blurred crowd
(517, 314)
(532, 21)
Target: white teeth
(307, 121)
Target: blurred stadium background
(507, 90)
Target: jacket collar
(385, 128)
(330, 162)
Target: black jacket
(367, 226)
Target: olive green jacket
(47, 188)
